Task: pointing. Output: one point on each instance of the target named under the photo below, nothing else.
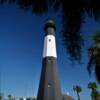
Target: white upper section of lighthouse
(49, 46)
(49, 41)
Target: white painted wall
(49, 46)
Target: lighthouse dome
(50, 23)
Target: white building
(19, 98)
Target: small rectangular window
(49, 85)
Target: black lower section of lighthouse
(49, 87)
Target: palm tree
(94, 93)
(94, 54)
(73, 13)
(77, 89)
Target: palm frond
(96, 37)
(37, 6)
(90, 65)
(57, 5)
(94, 6)
(97, 69)
(97, 73)
(2, 1)
(72, 20)
(77, 88)
(7, 1)
(95, 54)
(25, 3)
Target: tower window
(49, 59)
(49, 85)
(49, 40)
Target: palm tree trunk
(78, 96)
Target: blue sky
(21, 49)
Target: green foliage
(94, 93)
(92, 85)
(96, 37)
(77, 88)
(94, 55)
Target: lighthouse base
(49, 87)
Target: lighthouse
(49, 86)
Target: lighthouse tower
(49, 87)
